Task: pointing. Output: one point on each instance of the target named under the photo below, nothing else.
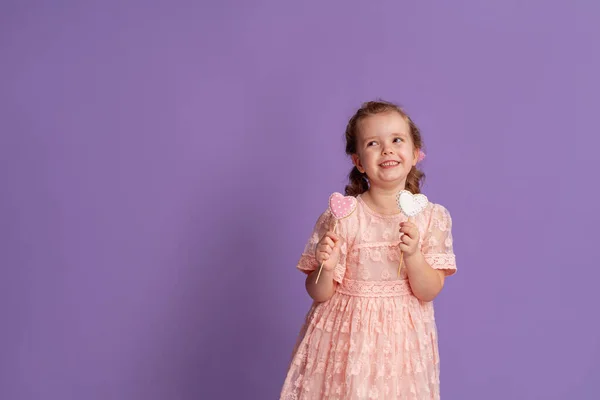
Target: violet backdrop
(162, 165)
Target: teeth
(389, 163)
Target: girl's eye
(371, 143)
(398, 140)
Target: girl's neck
(382, 201)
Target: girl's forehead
(383, 124)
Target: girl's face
(385, 151)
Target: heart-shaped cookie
(411, 204)
(341, 206)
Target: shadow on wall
(232, 338)
(212, 340)
(222, 328)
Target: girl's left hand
(410, 240)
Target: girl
(369, 333)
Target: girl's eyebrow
(370, 138)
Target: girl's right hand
(328, 251)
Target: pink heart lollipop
(340, 207)
(410, 205)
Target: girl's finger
(411, 232)
(332, 236)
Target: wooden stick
(401, 262)
(321, 267)
(401, 255)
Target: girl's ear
(416, 153)
(357, 163)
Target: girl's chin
(388, 183)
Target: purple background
(162, 165)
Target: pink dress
(373, 339)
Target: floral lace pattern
(373, 339)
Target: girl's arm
(323, 290)
(426, 282)
(328, 253)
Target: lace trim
(309, 264)
(377, 244)
(441, 261)
(369, 210)
(352, 287)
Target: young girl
(371, 334)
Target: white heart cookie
(411, 204)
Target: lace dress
(373, 339)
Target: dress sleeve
(308, 262)
(437, 241)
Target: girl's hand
(410, 239)
(328, 251)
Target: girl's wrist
(414, 259)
